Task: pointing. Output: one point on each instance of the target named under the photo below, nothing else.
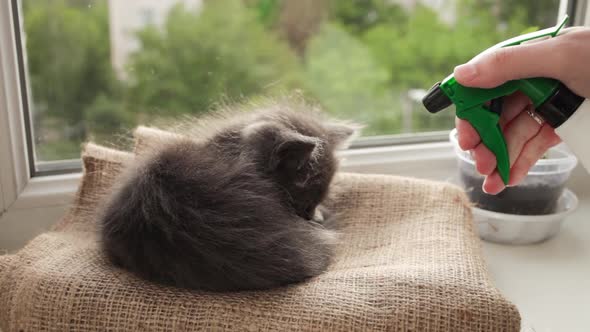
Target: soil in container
(524, 199)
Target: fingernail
(465, 72)
(483, 188)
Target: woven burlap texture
(408, 260)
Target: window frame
(15, 169)
(23, 187)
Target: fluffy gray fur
(231, 203)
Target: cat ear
(292, 151)
(341, 134)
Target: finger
(493, 184)
(466, 135)
(469, 139)
(518, 132)
(485, 160)
(576, 29)
(493, 68)
(513, 105)
(532, 152)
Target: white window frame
(18, 191)
(14, 167)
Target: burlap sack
(408, 261)
(101, 167)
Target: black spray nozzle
(558, 107)
(436, 100)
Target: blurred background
(96, 68)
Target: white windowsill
(548, 282)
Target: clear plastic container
(532, 206)
(522, 229)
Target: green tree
(542, 13)
(358, 16)
(342, 74)
(107, 116)
(68, 57)
(199, 58)
(426, 49)
(359, 64)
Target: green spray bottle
(552, 100)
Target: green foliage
(357, 16)
(359, 64)
(68, 59)
(106, 116)
(426, 49)
(61, 149)
(197, 59)
(344, 77)
(538, 12)
(410, 60)
(268, 10)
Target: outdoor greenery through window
(98, 67)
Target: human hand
(564, 58)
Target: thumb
(493, 68)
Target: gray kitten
(230, 205)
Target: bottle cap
(559, 106)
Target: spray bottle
(561, 108)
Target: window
(95, 68)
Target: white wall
(127, 17)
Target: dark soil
(523, 199)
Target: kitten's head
(298, 152)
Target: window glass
(96, 68)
